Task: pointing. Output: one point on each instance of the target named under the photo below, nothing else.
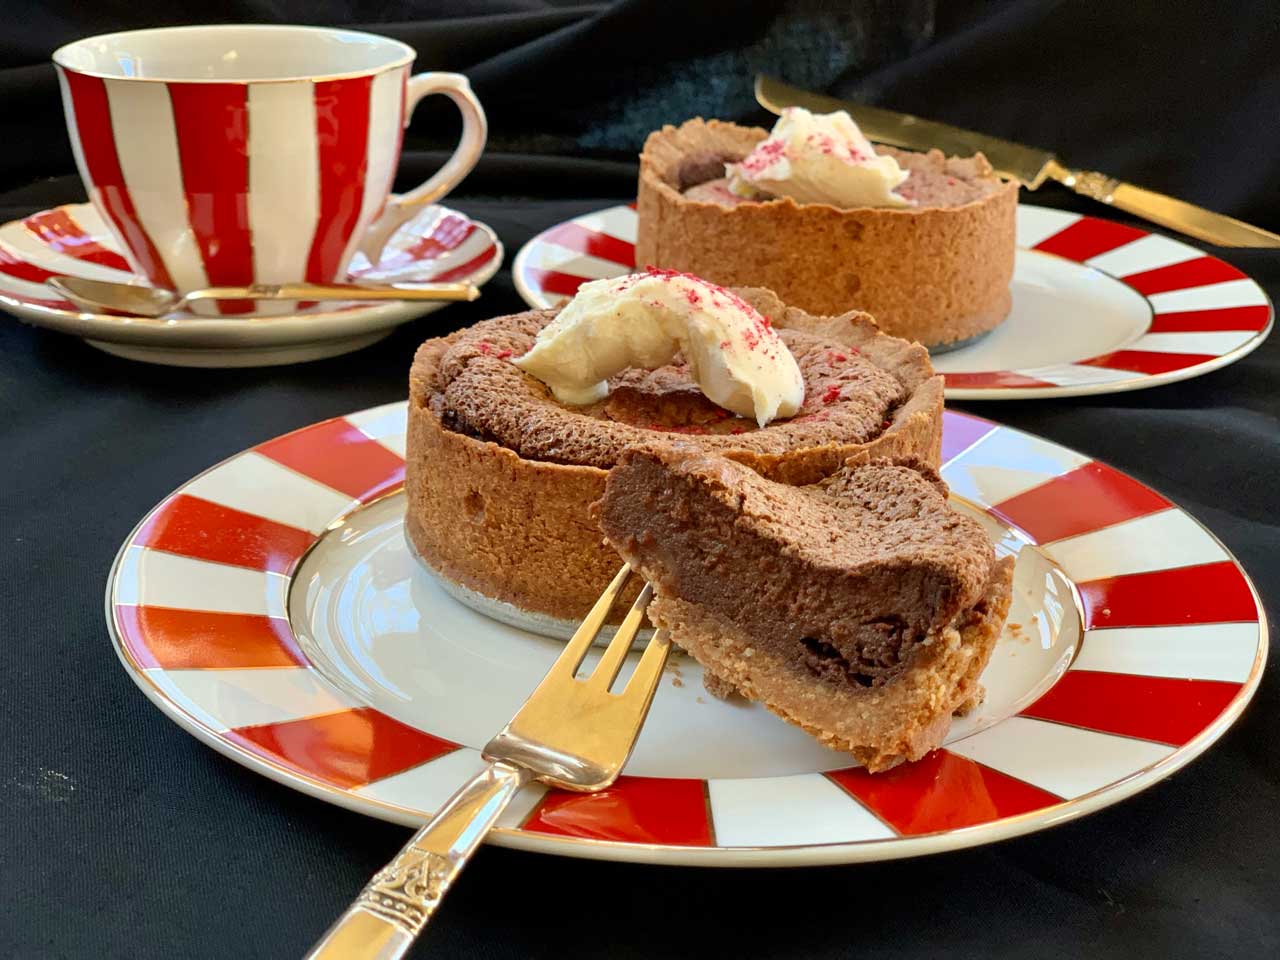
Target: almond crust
(519, 530)
(936, 274)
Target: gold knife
(1028, 165)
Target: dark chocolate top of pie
(935, 180)
(855, 378)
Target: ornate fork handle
(396, 904)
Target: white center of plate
(379, 626)
(1062, 312)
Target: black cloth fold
(122, 836)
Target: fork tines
(615, 653)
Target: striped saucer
(271, 607)
(1098, 307)
(439, 244)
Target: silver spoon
(143, 301)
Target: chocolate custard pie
(861, 608)
(923, 242)
(501, 473)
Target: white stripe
(147, 145)
(1075, 374)
(73, 129)
(552, 256)
(284, 192)
(92, 223)
(1036, 224)
(1159, 541)
(380, 155)
(258, 485)
(1209, 651)
(1145, 253)
(24, 245)
(778, 811)
(1216, 343)
(617, 222)
(425, 787)
(385, 424)
(160, 579)
(26, 288)
(1005, 463)
(1213, 296)
(225, 699)
(479, 241)
(1064, 760)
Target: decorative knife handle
(396, 904)
(1167, 211)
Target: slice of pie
(862, 608)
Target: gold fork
(572, 732)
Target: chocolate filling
(700, 168)
(846, 579)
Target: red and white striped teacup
(230, 155)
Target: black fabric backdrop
(124, 837)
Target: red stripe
(960, 431)
(633, 810)
(339, 456)
(347, 749)
(464, 270)
(192, 527)
(1164, 709)
(447, 234)
(576, 237)
(941, 791)
(98, 146)
(553, 281)
(1209, 593)
(1087, 498)
(992, 379)
(14, 266)
(60, 232)
(1180, 276)
(342, 137)
(1088, 238)
(1207, 321)
(205, 640)
(1147, 361)
(212, 125)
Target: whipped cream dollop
(819, 158)
(643, 320)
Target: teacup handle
(475, 129)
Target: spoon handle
(338, 291)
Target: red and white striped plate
(1098, 307)
(437, 245)
(271, 607)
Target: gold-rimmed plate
(271, 607)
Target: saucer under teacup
(437, 245)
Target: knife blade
(1030, 166)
